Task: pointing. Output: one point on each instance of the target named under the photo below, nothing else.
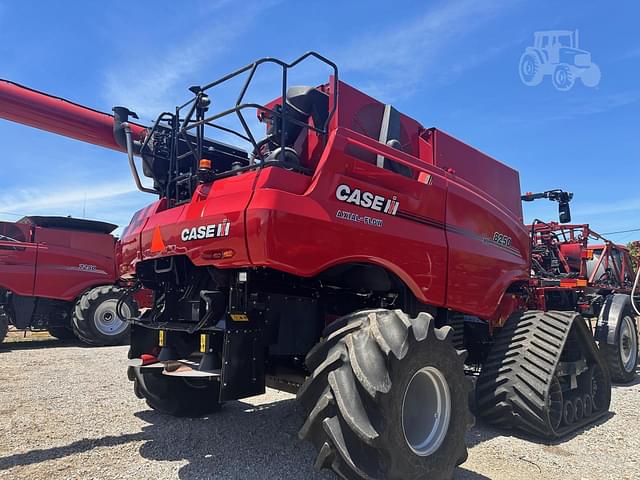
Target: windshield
(565, 40)
(10, 233)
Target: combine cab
(347, 254)
(59, 274)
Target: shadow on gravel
(242, 441)
(483, 432)
(43, 455)
(47, 343)
(29, 344)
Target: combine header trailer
(349, 255)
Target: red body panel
(17, 258)
(453, 241)
(56, 263)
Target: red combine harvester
(351, 256)
(59, 274)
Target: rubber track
(514, 383)
(349, 374)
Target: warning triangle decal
(157, 244)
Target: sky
(452, 64)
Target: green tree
(634, 250)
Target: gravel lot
(68, 412)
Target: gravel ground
(68, 412)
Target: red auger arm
(46, 112)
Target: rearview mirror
(564, 212)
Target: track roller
(587, 404)
(578, 407)
(539, 365)
(569, 413)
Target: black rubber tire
(177, 397)
(61, 333)
(4, 325)
(83, 320)
(611, 353)
(353, 398)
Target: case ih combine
(59, 274)
(351, 256)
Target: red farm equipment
(577, 269)
(59, 274)
(352, 256)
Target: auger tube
(53, 114)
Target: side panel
(128, 251)
(17, 258)
(70, 262)
(488, 251)
(304, 234)
(211, 224)
(498, 181)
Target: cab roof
(69, 223)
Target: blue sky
(450, 64)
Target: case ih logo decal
(206, 231)
(369, 200)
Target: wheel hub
(426, 411)
(628, 344)
(107, 320)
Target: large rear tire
(387, 398)
(95, 320)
